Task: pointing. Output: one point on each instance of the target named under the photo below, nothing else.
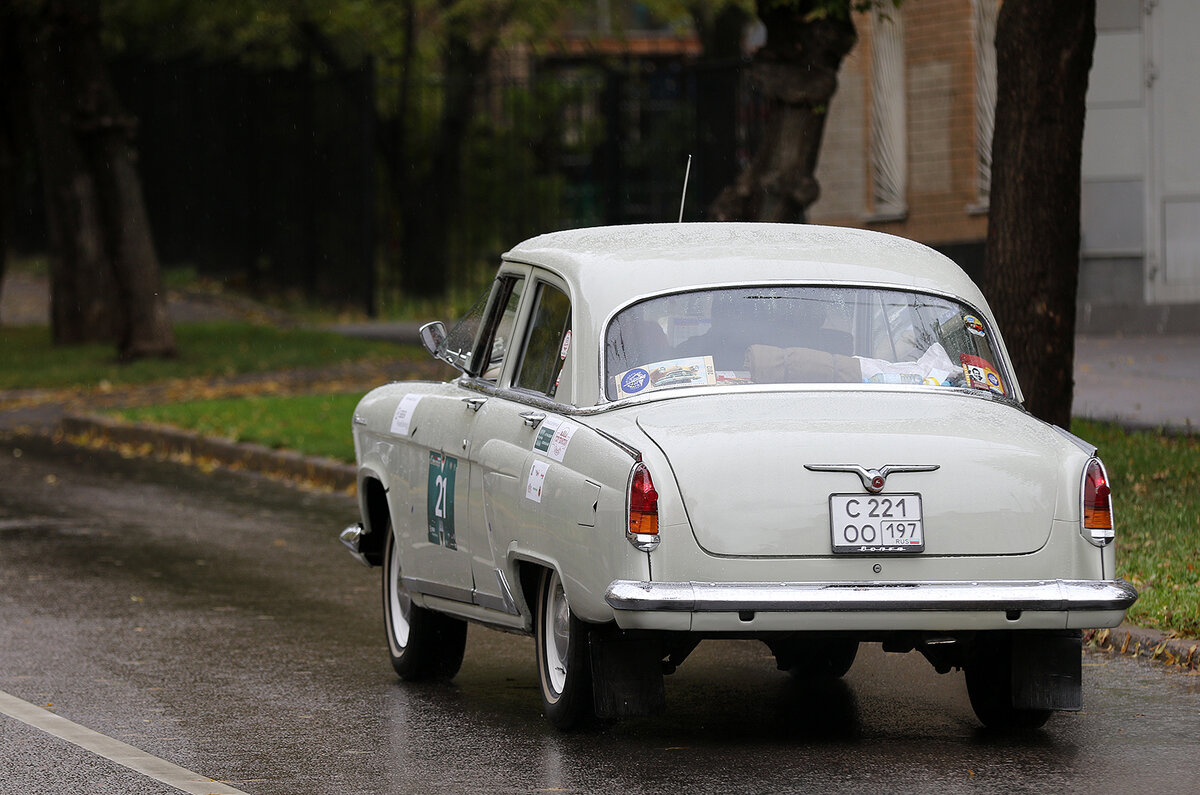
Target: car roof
(614, 264)
(608, 267)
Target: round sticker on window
(973, 325)
(635, 381)
(566, 346)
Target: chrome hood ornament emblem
(873, 480)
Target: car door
(429, 490)
(442, 426)
(506, 475)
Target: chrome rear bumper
(848, 597)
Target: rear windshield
(799, 335)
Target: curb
(1146, 644)
(188, 447)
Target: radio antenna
(683, 198)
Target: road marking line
(114, 750)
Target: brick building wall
(944, 206)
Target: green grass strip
(1156, 505)
(28, 360)
(311, 424)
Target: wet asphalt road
(214, 621)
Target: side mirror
(432, 336)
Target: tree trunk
(1031, 268)
(6, 189)
(105, 282)
(12, 133)
(82, 291)
(717, 88)
(7, 168)
(796, 72)
(144, 327)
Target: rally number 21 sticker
(440, 500)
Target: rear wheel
(564, 667)
(990, 687)
(422, 644)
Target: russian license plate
(876, 523)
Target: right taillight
(642, 528)
(1097, 505)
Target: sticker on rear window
(689, 371)
(980, 374)
(973, 325)
(633, 381)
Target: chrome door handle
(473, 403)
(533, 418)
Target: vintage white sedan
(803, 435)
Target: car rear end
(865, 474)
(983, 518)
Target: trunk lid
(739, 462)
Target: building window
(984, 14)
(889, 137)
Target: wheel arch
(529, 579)
(528, 567)
(373, 505)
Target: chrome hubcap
(399, 602)
(558, 633)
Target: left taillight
(1097, 505)
(642, 525)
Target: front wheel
(564, 666)
(422, 644)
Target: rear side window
(547, 343)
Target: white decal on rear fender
(537, 478)
(554, 436)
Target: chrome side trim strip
(501, 604)
(854, 597)
(437, 589)
(504, 603)
(480, 615)
(496, 603)
(510, 604)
